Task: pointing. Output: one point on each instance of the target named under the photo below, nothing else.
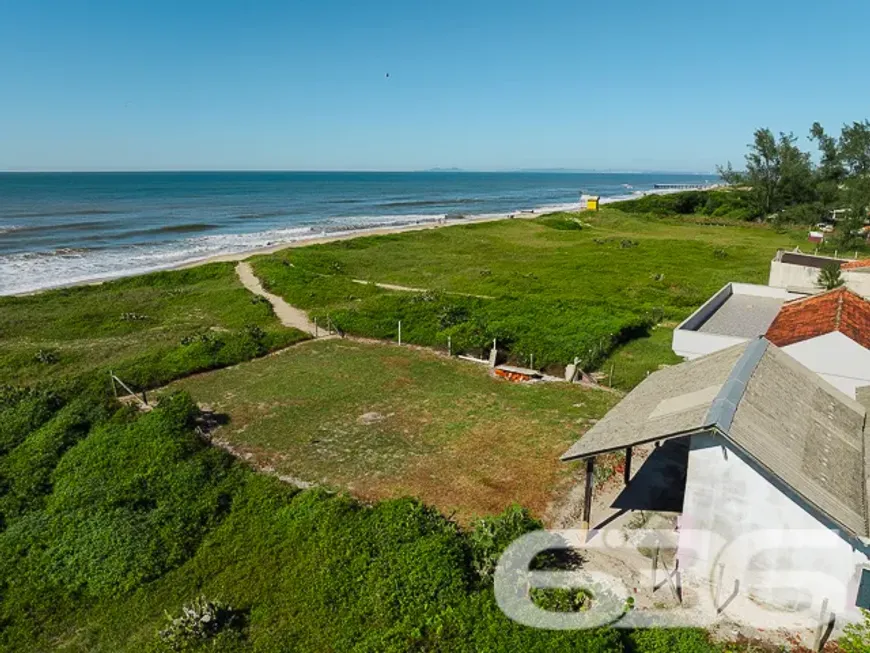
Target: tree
(830, 277)
(797, 184)
(831, 171)
(777, 171)
(855, 148)
(763, 171)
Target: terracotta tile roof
(854, 265)
(836, 310)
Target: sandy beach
(435, 223)
(334, 236)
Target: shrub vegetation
(140, 517)
(556, 288)
(110, 519)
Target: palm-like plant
(830, 277)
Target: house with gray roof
(775, 505)
(829, 332)
(796, 271)
(737, 313)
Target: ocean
(63, 228)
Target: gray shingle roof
(808, 434)
(743, 316)
(792, 423)
(671, 401)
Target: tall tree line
(783, 182)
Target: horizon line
(357, 170)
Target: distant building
(775, 480)
(828, 332)
(737, 313)
(798, 272)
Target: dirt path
(392, 286)
(289, 316)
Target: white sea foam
(28, 272)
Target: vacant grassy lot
(151, 328)
(386, 421)
(563, 285)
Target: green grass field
(385, 421)
(631, 362)
(110, 519)
(149, 328)
(564, 286)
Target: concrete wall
(803, 278)
(729, 496)
(859, 281)
(788, 275)
(841, 361)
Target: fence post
(315, 327)
(820, 629)
(449, 346)
(400, 332)
(532, 359)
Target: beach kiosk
(589, 202)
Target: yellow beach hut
(589, 202)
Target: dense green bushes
(553, 288)
(131, 501)
(25, 471)
(553, 332)
(200, 352)
(139, 517)
(732, 204)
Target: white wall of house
(729, 496)
(841, 361)
(694, 344)
(789, 275)
(858, 281)
(803, 278)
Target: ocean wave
(186, 228)
(32, 271)
(263, 214)
(345, 200)
(60, 213)
(60, 252)
(409, 203)
(54, 228)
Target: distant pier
(683, 186)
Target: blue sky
(621, 85)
